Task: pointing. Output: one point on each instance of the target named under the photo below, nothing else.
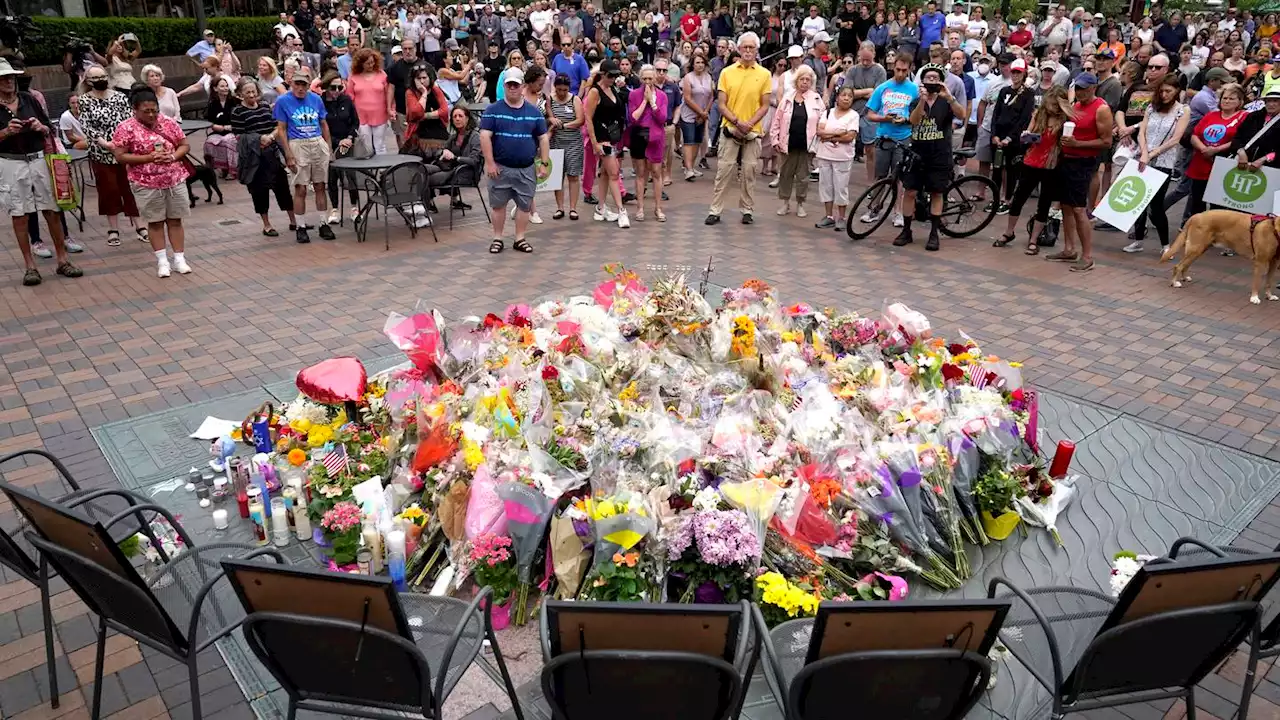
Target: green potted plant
(994, 492)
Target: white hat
(7, 69)
(795, 51)
(514, 75)
(396, 49)
(821, 36)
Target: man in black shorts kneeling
(931, 119)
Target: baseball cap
(207, 33)
(795, 51)
(1018, 65)
(396, 49)
(1105, 53)
(1006, 58)
(821, 37)
(609, 67)
(514, 75)
(1086, 80)
(451, 44)
(1099, 16)
(1217, 73)
(664, 46)
(1049, 65)
(1022, 21)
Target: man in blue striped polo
(513, 134)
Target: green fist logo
(1243, 186)
(1126, 195)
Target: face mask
(100, 84)
(983, 69)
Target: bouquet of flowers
(341, 525)
(713, 553)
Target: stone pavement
(120, 343)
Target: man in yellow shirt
(743, 99)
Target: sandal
(113, 238)
(1081, 266)
(639, 216)
(66, 269)
(496, 247)
(523, 246)
(661, 216)
(573, 214)
(1032, 249)
(31, 277)
(271, 232)
(142, 234)
(1005, 239)
(1063, 256)
(557, 215)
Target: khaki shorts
(312, 161)
(158, 205)
(24, 186)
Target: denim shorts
(693, 132)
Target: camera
(73, 43)
(16, 31)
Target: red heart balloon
(333, 381)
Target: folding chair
(641, 661)
(400, 186)
(18, 558)
(1175, 622)
(89, 559)
(342, 643)
(455, 188)
(921, 660)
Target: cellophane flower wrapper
(901, 459)
(528, 510)
(485, 508)
(965, 464)
(419, 337)
(915, 324)
(621, 532)
(1045, 513)
(757, 497)
(882, 499)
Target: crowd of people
(1052, 107)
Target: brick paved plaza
(120, 343)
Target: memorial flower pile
(637, 443)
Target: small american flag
(337, 460)
(980, 377)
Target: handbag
(59, 162)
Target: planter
(501, 614)
(1000, 526)
(317, 536)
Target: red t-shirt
(1037, 156)
(1021, 38)
(1213, 130)
(689, 25)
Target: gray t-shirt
(864, 78)
(993, 91)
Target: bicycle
(879, 201)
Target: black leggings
(1158, 218)
(1195, 201)
(1028, 179)
(266, 183)
(33, 226)
(334, 187)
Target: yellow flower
(302, 425)
(630, 393)
(472, 454)
(319, 436)
(297, 456)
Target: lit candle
(258, 513)
(373, 541)
(219, 519)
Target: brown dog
(1252, 236)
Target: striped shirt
(515, 132)
(253, 120)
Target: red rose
(1016, 395)
(492, 321)
(957, 349)
(952, 373)
(549, 372)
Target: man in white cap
(202, 49)
(24, 174)
(821, 43)
(513, 134)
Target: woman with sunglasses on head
(344, 131)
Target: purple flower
(726, 537)
(708, 593)
(681, 537)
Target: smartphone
(933, 87)
(1029, 138)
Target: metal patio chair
(455, 187)
(1174, 623)
(921, 660)
(341, 643)
(20, 557)
(86, 555)
(399, 187)
(636, 661)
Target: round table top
(195, 126)
(373, 162)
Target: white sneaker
(1133, 247)
(623, 220)
(773, 183)
(162, 269)
(334, 217)
(535, 218)
(785, 209)
(800, 211)
(697, 172)
(690, 175)
(867, 217)
(355, 214)
(897, 220)
(181, 266)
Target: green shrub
(159, 36)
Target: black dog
(206, 176)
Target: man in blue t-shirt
(890, 106)
(513, 134)
(303, 133)
(932, 23)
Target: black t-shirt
(797, 131)
(861, 27)
(931, 138)
(847, 41)
(1134, 103)
(399, 75)
(27, 141)
(493, 67)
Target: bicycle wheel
(962, 217)
(876, 204)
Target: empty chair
(463, 177)
(910, 660)
(1176, 620)
(641, 661)
(400, 188)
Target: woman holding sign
(1159, 137)
(1212, 137)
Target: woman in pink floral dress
(152, 147)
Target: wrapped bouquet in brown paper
(568, 557)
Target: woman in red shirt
(1021, 36)
(1039, 165)
(1213, 136)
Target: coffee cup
(1068, 129)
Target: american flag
(980, 377)
(337, 460)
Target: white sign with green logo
(1244, 190)
(1129, 195)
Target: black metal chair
(399, 187)
(86, 555)
(920, 660)
(455, 187)
(630, 660)
(1174, 623)
(17, 555)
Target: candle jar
(219, 519)
(202, 494)
(257, 513)
(241, 488)
(363, 558)
(219, 490)
(289, 495)
(280, 521)
(373, 541)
